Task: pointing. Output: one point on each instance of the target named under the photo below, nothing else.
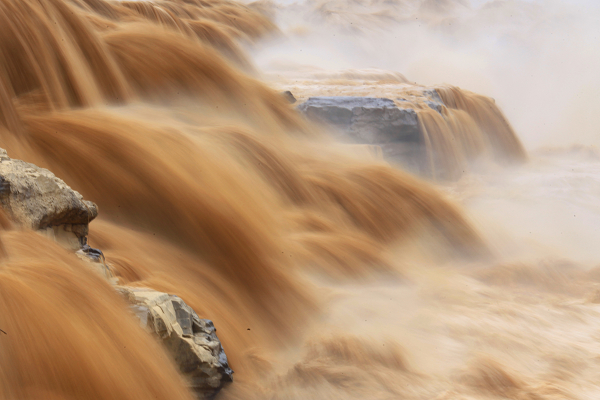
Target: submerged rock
(35, 198)
(191, 341)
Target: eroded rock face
(366, 120)
(191, 341)
(35, 198)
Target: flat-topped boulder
(366, 120)
(35, 198)
(191, 341)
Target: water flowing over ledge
(213, 188)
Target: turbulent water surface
(328, 273)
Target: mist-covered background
(538, 59)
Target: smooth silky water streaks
(69, 335)
(211, 187)
(465, 129)
(218, 198)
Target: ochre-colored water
(211, 187)
(468, 128)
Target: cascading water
(328, 274)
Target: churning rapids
(328, 272)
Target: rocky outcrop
(366, 120)
(435, 132)
(375, 121)
(191, 341)
(35, 198)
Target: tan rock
(191, 341)
(35, 198)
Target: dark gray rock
(191, 341)
(434, 106)
(433, 95)
(289, 96)
(366, 120)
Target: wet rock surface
(191, 341)
(433, 100)
(376, 121)
(366, 120)
(35, 198)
